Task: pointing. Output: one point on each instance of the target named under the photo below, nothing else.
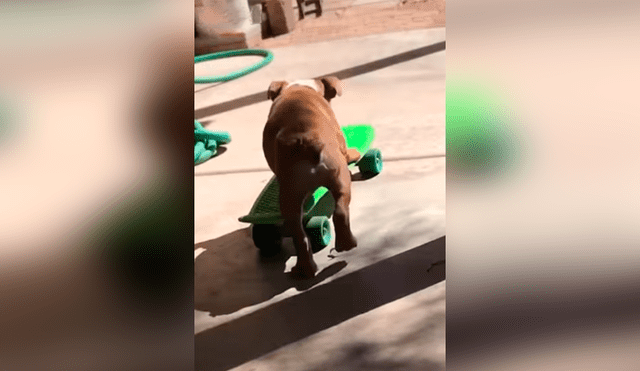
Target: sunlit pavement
(380, 306)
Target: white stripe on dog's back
(313, 84)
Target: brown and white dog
(305, 148)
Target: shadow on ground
(297, 317)
(230, 274)
(365, 357)
(342, 74)
(210, 85)
(206, 123)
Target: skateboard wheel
(319, 232)
(267, 239)
(371, 162)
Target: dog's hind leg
(340, 188)
(352, 155)
(291, 210)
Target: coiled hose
(207, 142)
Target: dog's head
(329, 87)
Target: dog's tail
(298, 147)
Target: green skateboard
(267, 231)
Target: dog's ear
(332, 87)
(275, 88)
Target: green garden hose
(207, 142)
(268, 57)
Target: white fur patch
(313, 84)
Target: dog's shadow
(230, 274)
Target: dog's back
(301, 124)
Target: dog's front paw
(304, 270)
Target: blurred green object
(479, 140)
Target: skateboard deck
(266, 209)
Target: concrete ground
(343, 19)
(380, 306)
